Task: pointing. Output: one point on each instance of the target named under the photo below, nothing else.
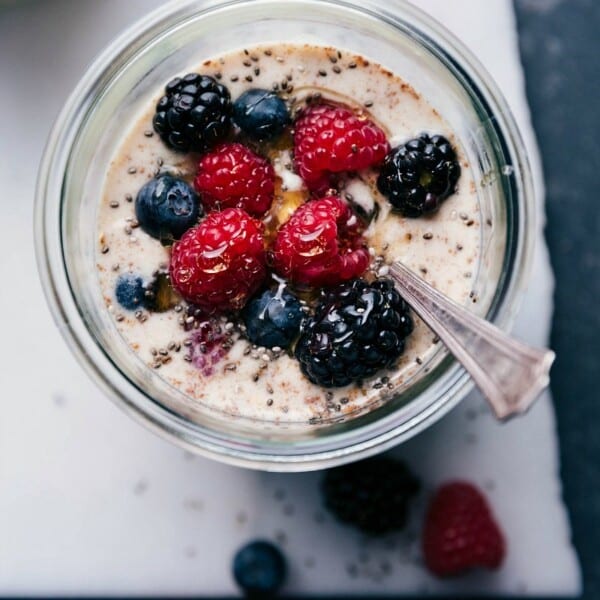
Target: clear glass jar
(119, 84)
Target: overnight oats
(247, 224)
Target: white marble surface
(92, 503)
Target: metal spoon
(510, 374)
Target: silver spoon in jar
(509, 373)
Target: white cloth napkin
(92, 503)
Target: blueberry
(130, 291)
(259, 569)
(273, 319)
(260, 114)
(166, 207)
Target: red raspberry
(330, 139)
(460, 531)
(321, 244)
(232, 176)
(219, 263)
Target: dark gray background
(560, 49)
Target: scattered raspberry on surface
(220, 263)
(232, 176)
(460, 531)
(331, 139)
(321, 244)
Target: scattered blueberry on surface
(166, 207)
(261, 114)
(130, 291)
(259, 568)
(273, 319)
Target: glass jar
(120, 84)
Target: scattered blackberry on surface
(419, 175)
(273, 319)
(259, 568)
(357, 329)
(166, 207)
(261, 114)
(130, 291)
(373, 495)
(194, 114)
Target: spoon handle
(510, 373)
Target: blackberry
(357, 329)
(419, 175)
(194, 114)
(373, 495)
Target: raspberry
(460, 532)
(331, 139)
(321, 244)
(232, 176)
(220, 263)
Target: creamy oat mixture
(254, 382)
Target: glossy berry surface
(460, 531)
(273, 319)
(130, 291)
(357, 329)
(373, 495)
(166, 207)
(220, 263)
(194, 114)
(321, 244)
(419, 175)
(332, 139)
(261, 114)
(259, 568)
(232, 176)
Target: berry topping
(130, 291)
(207, 345)
(194, 114)
(357, 330)
(220, 263)
(160, 295)
(273, 319)
(232, 176)
(460, 532)
(320, 245)
(331, 139)
(259, 568)
(374, 495)
(419, 175)
(167, 207)
(261, 114)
